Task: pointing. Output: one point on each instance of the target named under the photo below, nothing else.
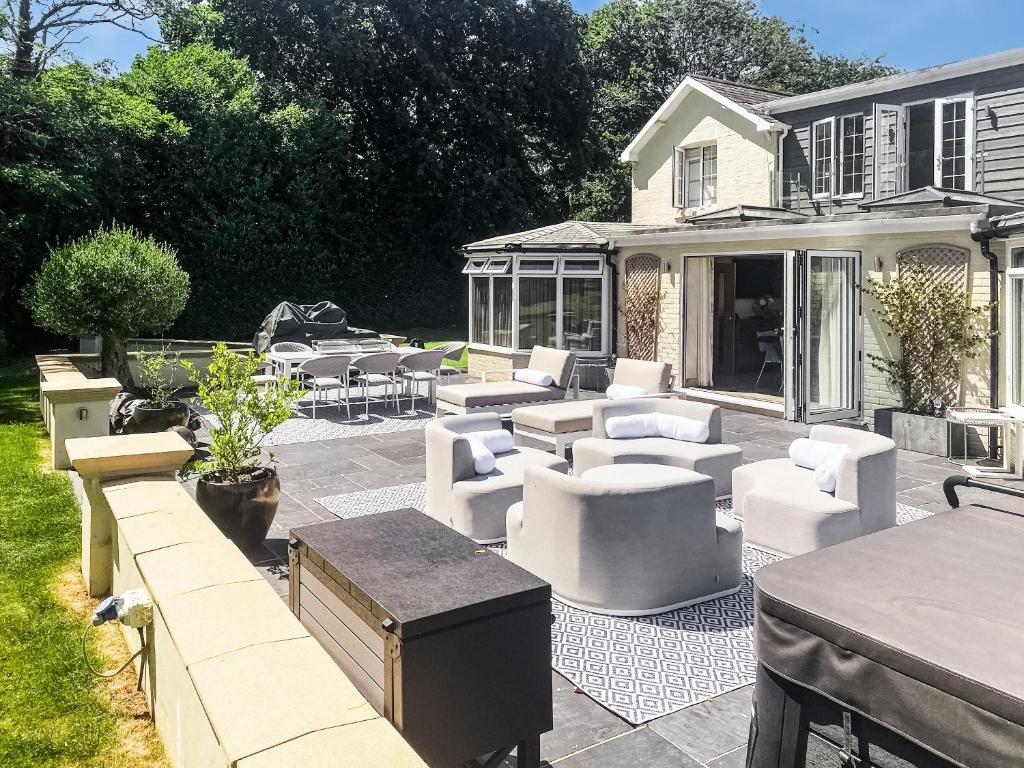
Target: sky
(909, 33)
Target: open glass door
(890, 150)
(828, 336)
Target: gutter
(982, 232)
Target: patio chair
(711, 457)
(635, 546)
(290, 346)
(422, 366)
(785, 512)
(472, 504)
(377, 369)
(452, 351)
(322, 374)
(503, 397)
(561, 424)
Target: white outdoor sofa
(784, 512)
(472, 504)
(623, 545)
(561, 424)
(502, 397)
(712, 457)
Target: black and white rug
(640, 668)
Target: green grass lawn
(53, 712)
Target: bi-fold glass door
(824, 335)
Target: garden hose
(123, 667)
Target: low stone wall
(196, 352)
(233, 679)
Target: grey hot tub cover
(304, 323)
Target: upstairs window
(851, 157)
(954, 144)
(822, 154)
(696, 177)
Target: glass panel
(474, 265)
(589, 266)
(480, 301)
(853, 155)
(921, 145)
(503, 312)
(1017, 340)
(1017, 257)
(831, 333)
(679, 181)
(709, 189)
(498, 266)
(537, 298)
(693, 180)
(545, 266)
(823, 158)
(954, 145)
(581, 313)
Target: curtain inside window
(502, 312)
(830, 335)
(480, 332)
(581, 314)
(537, 300)
(699, 289)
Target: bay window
(546, 300)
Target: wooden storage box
(449, 641)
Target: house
(756, 219)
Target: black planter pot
(152, 419)
(243, 511)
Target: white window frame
(498, 266)
(831, 191)
(474, 265)
(681, 176)
(526, 265)
(968, 100)
(596, 269)
(1014, 367)
(840, 160)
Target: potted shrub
(112, 283)
(159, 410)
(936, 329)
(236, 489)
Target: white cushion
(623, 391)
(483, 459)
(632, 426)
(495, 440)
(820, 456)
(531, 376)
(681, 428)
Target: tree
(37, 31)
(637, 53)
(113, 283)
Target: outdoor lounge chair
(472, 504)
(561, 424)
(783, 511)
(711, 457)
(503, 397)
(647, 544)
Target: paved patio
(712, 733)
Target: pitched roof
(938, 196)
(740, 99)
(569, 235)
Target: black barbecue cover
(305, 323)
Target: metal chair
(377, 369)
(290, 346)
(768, 343)
(452, 351)
(422, 366)
(327, 373)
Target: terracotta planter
(243, 511)
(152, 419)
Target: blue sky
(911, 33)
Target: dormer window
(696, 176)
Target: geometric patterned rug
(640, 667)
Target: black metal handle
(950, 484)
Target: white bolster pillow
(495, 440)
(622, 391)
(633, 425)
(483, 459)
(533, 376)
(681, 428)
(820, 456)
(827, 473)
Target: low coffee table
(448, 640)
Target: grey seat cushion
(557, 362)
(557, 418)
(497, 393)
(479, 503)
(717, 460)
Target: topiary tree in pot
(159, 410)
(936, 329)
(236, 488)
(113, 283)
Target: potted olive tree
(113, 283)
(236, 488)
(159, 410)
(935, 329)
